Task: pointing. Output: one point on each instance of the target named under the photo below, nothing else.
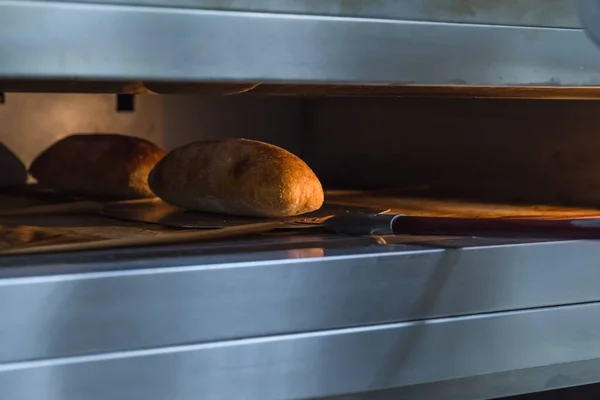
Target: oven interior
(420, 156)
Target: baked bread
(239, 177)
(107, 166)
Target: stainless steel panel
(589, 14)
(85, 41)
(556, 13)
(328, 363)
(198, 299)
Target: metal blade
(168, 215)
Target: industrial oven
(464, 109)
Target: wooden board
(423, 206)
(41, 230)
(23, 237)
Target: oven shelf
(117, 42)
(435, 318)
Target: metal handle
(499, 227)
(363, 224)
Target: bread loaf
(108, 166)
(239, 177)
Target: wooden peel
(164, 239)
(458, 208)
(23, 236)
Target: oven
(428, 109)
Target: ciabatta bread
(98, 165)
(239, 177)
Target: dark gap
(125, 102)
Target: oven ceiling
(529, 44)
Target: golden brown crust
(237, 176)
(98, 165)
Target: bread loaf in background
(110, 166)
(239, 177)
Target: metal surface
(326, 363)
(45, 40)
(169, 300)
(555, 13)
(589, 14)
(165, 214)
(430, 319)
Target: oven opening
(198, 169)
